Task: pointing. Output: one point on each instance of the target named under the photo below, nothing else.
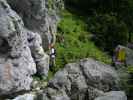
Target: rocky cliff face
(39, 16)
(23, 26)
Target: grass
(74, 43)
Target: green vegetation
(93, 28)
(73, 42)
(108, 31)
(110, 20)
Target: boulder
(99, 75)
(85, 79)
(70, 80)
(113, 95)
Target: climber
(119, 56)
(52, 56)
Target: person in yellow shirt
(121, 55)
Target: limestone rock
(24, 97)
(85, 79)
(129, 57)
(113, 95)
(99, 75)
(71, 80)
(52, 94)
(39, 56)
(16, 62)
(21, 52)
(92, 93)
(26, 28)
(39, 16)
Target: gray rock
(39, 16)
(52, 94)
(40, 57)
(41, 96)
(24, 97)
(71, 80)
(21, 46)
(57, 94)
(16, 62)
(85, 79)
(129, 57)
(113, 95)
(20, 52)
(92, 93)
(99, 75)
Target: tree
(109, 31)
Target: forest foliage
(109, 20)
(74, 42)
(110, 23)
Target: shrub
(109, 31)
(76, 44)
